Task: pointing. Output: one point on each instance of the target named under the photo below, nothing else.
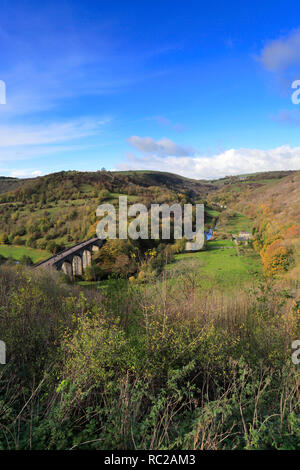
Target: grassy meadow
(234, 223)
(223, 265)
(17, 252)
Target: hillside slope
(272, 201)
(10, 184)
(57, 210)
(74, 184)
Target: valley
(151, 347)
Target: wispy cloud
(162, 147)
(14, 155)
(229, 162)
(37, 141)
(69, 61)
(16, 135)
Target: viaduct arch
(74, 260)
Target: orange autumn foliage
(293, 232)
(276, 257)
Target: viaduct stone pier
(74, 260)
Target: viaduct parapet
(74, 260)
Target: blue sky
(197, 88)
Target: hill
(186, 351)
(10, 184)
(54, 211)
(57, 210)
(272, 201)
(74, 184)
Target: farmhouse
(243, 237)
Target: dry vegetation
(130, 370)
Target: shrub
(277, 257)
(4, 238)
(93, 273)
(26, 260)
(153, 366)
(18, 240)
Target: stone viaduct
(74, 260)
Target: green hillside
(153, 347)
(52, 212)
(58, 210)
(10, 184)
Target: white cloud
(162, 147)
(25, 173)
(280, 54)
(229, 162)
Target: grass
(212, 212)
(220, 266)
(114, 198)
(16, 252)
(235, 224)
(86, 188)
(104, 285)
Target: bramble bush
(152, 366)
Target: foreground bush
(146, 367)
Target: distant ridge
(146, 178)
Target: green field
(212, 212)
(16, 252)
(235, 224)
(221, 266)
(104, 285)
